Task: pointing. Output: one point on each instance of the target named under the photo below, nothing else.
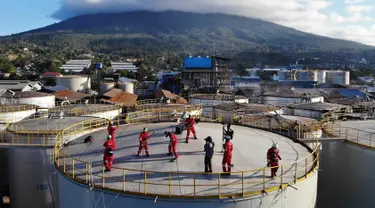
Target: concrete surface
(250, 146)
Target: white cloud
(352, 1)
(305, 15)
(359, 8)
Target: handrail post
(73, 167)
(358, 136)
(145, 183)
(87, 172)
(218, 184)
(195, 191)
(306, 167)
(281, 175)
(264, 178)
(124, 180)
(169, 185)
(64, 164)
(103, 176)
(243, 184)
(295, 173)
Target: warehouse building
(318, 110)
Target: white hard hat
(275, 145)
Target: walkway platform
(250, 147)
(46, 124)
(82, 109)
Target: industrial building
(245, 81)
(213, 72)
(318, 110)
(283, 97)
(76, 66)
(319, 76)
(124, 66)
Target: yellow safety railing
(16, 108)
(353, 135)
(246, 183)
(148, 101)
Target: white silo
(322, 75)
(347, 78)
(105, 87)
(74, 83)
(127, 87)
(312, 76)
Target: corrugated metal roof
(56, 88)
(351, 93)
(167, 94)
(30, 94)
(318, 106)
(118, 96)
(70, 95)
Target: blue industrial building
(171, 81)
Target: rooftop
(217, 96)
(250, 146)
(317, 106)
(249, 108)
(118, 96)
(288, 93)
(167, 94)
(30, 94)
(70, 95)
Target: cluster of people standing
(273, 155)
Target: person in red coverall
(273, 158)
(189, 123)
(143, 141)
(227, 158)
(172, 143)
(109, 145)
(112, 129)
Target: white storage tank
(74, 83)
(321, 76)
(312, 76)
(42, 100)
(302, 76)
(105, 87)
(347, 78)
(338, 77)
(31, 177)
(127, 87)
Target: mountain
(178, 31)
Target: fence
(195, 185)
(16, 108)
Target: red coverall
(111, 131)
(108, 160)
(190, 127)
(274, 162)
(227, 158)
(173, 145)
(143, 142)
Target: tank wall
(304, 197)
(43, 102)
(31, 179)
(107, 114)
(106, 87)
(127, 87)
(15, 116)
(306, 113)
(75, 84)
(321, 77)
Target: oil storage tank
(105, 87)
(127, 87)
(338, 77)
(321, 76)
(307, 76)
(74, 83)
(31, 178)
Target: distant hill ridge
(180, 31)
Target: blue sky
(344, 19)
(21, 15)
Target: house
(165, 94)
(120, 97)
(50, 75)
(20, 85)
(124, 66)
